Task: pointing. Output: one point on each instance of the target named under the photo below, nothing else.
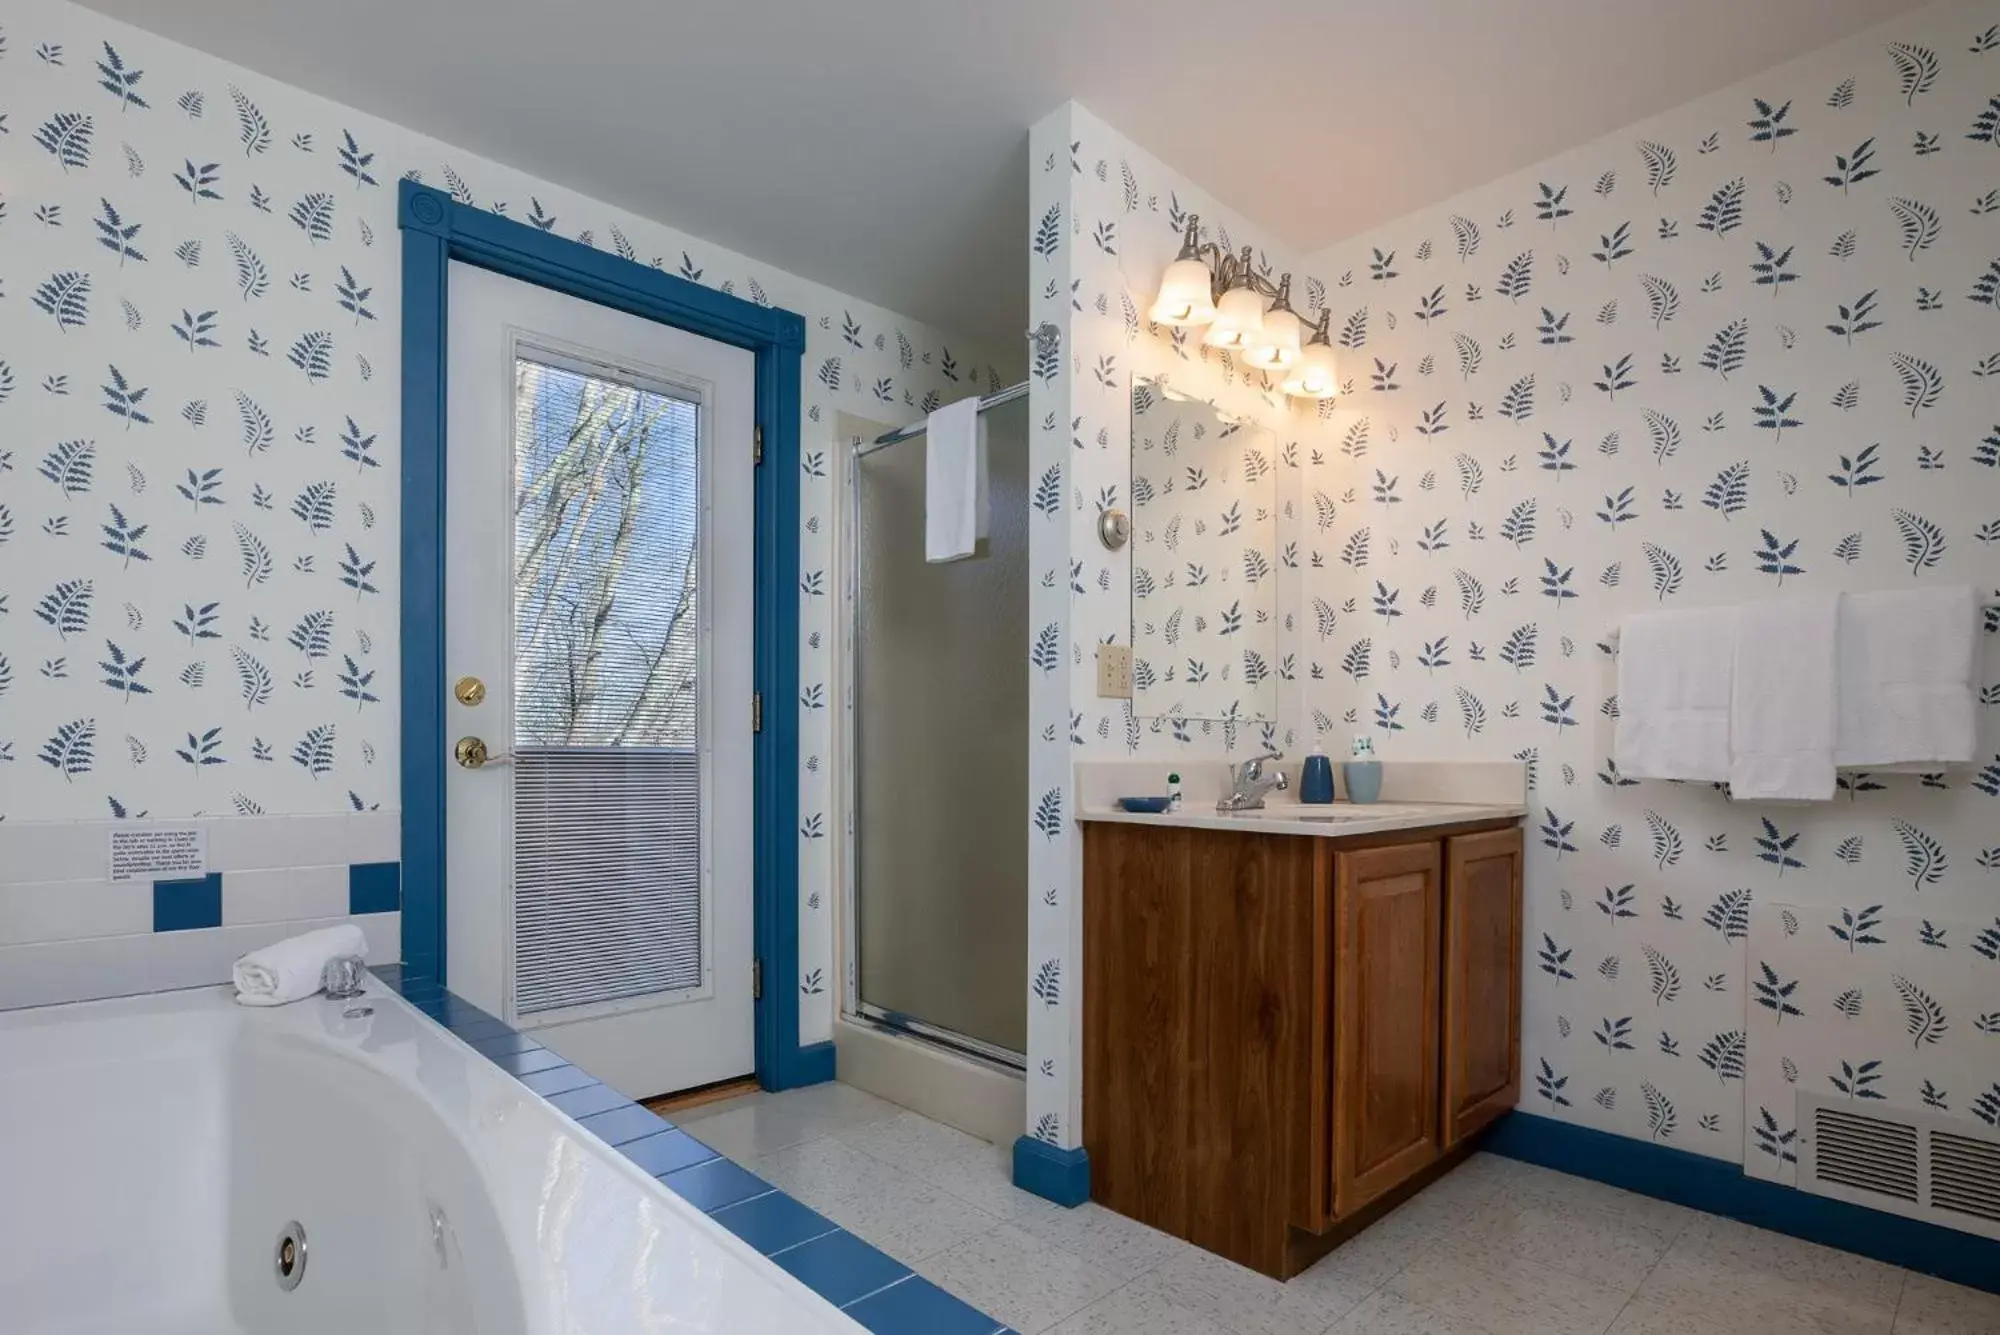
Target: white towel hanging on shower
(955, 502)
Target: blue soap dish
(1148, 806)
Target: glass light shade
(1315, 375)
(1184, 295)
(1275, 345)
(1238, 317)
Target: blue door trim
(1721, 1187)
(437, 230)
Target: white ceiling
(880, 146)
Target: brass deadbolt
(469, 690)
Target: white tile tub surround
(286, 895)
(33, 912)
(363, 1130)
(50, 973)
(76, 850)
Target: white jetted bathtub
(154, 1150)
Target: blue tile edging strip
(880, 1293)
(1059, 1175)
(1720, 1187)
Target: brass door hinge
(756, 711)
(756, 980)
(759, 453)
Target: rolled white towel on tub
(290, 969)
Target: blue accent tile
(774, 1222)
(453, 1011)
(374, 887)
(841, 1267)
(718, 1182)
(499, 1045)
(581, 1103)
(420, 992)
(666, 1152)
(473, 1028)
(623, 1124)
(559, 1080)
(391, 976)
(181, 906)
(528, 1061)
(919, 1307)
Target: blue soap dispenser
(1316, 782)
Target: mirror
(1204, 561)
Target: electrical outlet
(1114, 672)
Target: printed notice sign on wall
(159, 853)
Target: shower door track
(963, 1044)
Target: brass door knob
(471, 753)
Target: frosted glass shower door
(940, 758)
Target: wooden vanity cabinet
(1385, 1010)
(1285, 1035)
(1481, 1031)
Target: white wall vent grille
(1907, 1161)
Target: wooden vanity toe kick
(1284, 1036)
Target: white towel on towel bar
(1673, 694)
(1908, 696)
(1781, 707)
(289, 970)
(955, 504)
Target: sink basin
(1344, 812)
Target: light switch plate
(1114, 672)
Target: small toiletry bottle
(1174, 792)
(1316, 781)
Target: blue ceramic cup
(1364, 780)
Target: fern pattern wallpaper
(1204, 564)
(199, 469)
(1748, 347)
(1105, 219)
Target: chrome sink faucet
(1249, 781)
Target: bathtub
(153, 1151)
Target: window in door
(609, 898)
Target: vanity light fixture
(1275, 344)
(1206, 285)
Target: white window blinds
(608, 900)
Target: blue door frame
(437, 230)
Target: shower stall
(937, 903)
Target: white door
(598, 583)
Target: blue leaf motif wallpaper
(1104, 220)
(1745, 347)
(199, 408)
(1742, 348)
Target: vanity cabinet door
(1482, 979)
(1385, 1090)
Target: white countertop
(1338, 820)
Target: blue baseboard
(1059, 1175)
(813, 1064)
(1720, 1187)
